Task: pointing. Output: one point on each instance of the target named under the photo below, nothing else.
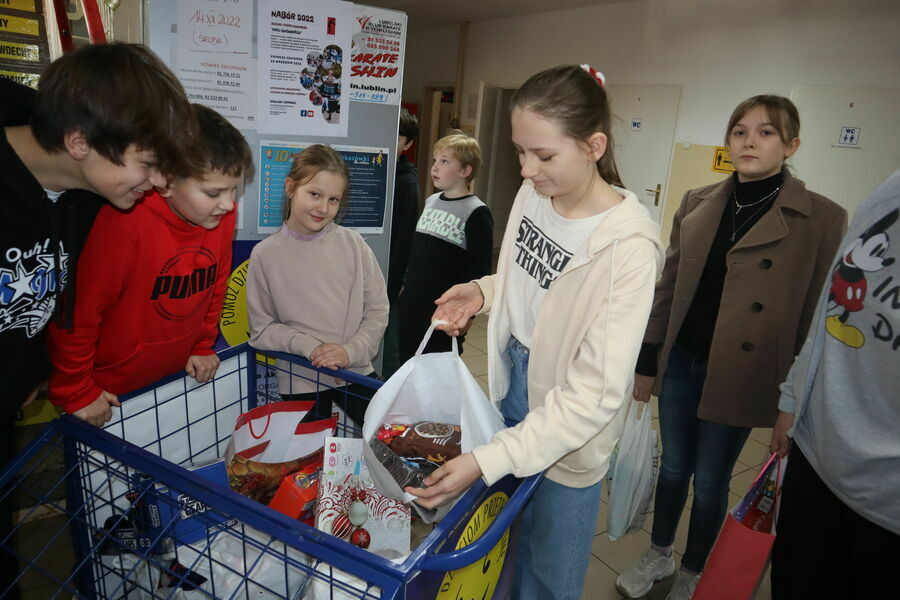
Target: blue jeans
(557, 524)
(695, 447)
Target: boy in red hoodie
(150, 284)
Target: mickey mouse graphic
(848, 284)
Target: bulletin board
(288, 74)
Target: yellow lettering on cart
(233, 320)
(11, 24)
(478, 580)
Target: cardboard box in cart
(168, 512)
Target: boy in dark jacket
(107, 122)
(403, 226)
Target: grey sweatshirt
(844, 386)
(303, 291)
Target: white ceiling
(429, 14)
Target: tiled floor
(608, 558)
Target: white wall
(721, 51)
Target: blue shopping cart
(116, 481)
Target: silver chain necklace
(763, 199)
(734, 211)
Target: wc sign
(849, 136)
(636, 124)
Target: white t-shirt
(544, 244)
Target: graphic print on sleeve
(28, 286)
(863, 264)
(541, 257)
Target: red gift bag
(739, 559)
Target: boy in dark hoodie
(403, 226)
(107, 122)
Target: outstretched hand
(457, 306)
(448, 482)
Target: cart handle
(457, 559)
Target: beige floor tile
(473, 350)
(476, 345)
(754, 453)
(602, 517)
(740, 468)
(624, 551)
(741, 483)
(483, 384)
(477, 364)
(600, 582)
(762, 435)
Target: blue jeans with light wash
(557, 524)
(692, 447)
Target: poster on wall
(302, 49)
(376, 64)
(222, 81)
(215, 25)
(368, 185)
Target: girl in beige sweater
(314, 289)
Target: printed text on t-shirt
(541, 257)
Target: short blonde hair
(465, 149)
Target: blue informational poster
(368, 184)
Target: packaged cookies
(435, 442)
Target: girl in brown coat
(745, 264)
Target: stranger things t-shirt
(544, 244)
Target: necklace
(763, 199)
(734, 211)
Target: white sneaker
(683, 588)
(639, 577)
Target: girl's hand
(643, 386)
(781, 443)
(457, 306)
(202, 368)
(98, 412)
(330, 356)
(448, 482)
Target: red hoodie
(149, 290)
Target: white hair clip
(597, 74)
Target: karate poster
(376, 67)
(368, 168)
(303, 47)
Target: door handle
(655, 193)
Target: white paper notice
(221, 81)
(215, 25)
(376, 67)
(302, 52)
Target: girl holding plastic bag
(746, 259)
(572, 293)
(314, 288)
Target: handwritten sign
(215, 25)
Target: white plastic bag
(429, 387)
(632, 474)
